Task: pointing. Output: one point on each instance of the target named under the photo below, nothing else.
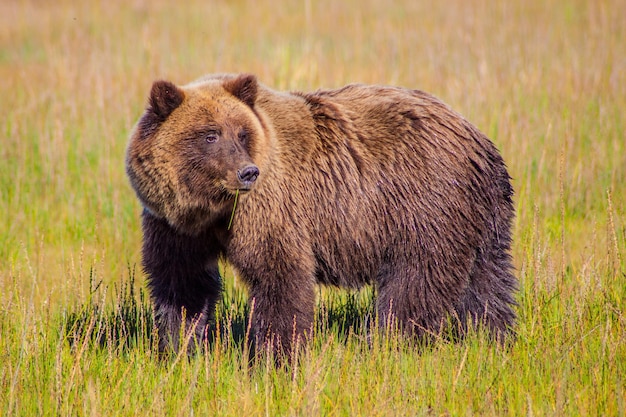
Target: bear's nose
(248, 175)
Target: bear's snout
(248, 175)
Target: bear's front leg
(282, 309)
(183, 279)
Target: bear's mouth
(230, 192)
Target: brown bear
(360, 185)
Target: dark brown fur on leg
(183, 282)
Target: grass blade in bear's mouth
(232, 214)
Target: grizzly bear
(359, 185)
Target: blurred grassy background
(545, 80)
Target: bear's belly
(350, 276)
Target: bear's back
(368, 168)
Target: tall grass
(546, 80)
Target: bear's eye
(243, 136)
(211, 137)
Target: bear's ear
(244, 87)
(165, 97)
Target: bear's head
(192, 150)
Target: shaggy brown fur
(361, 185)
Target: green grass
(546, 80)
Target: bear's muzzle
(247, 176)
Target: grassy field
(546, 80)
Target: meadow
(545, 80)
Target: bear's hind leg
(488, 300)
(404, 299)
